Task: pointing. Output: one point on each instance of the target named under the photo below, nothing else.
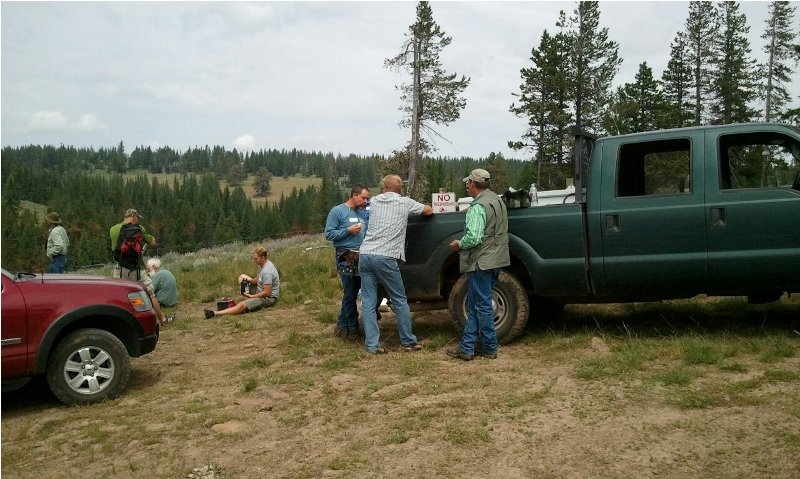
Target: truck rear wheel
(510, 303)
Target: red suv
(81, 331)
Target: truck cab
(657, 215)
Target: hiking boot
(484, 354)
(457, 353)
(209, 313)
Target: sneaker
(457, 353)
(342, 334)
(484, 354)
(169, 319)
(209, 314)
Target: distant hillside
(279, 185)
(38, 209)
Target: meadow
(278, 186)
(705, 387)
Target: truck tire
(87, 366)
(510, 306)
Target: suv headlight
(140, 301)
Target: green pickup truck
(659, 215)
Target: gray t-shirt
(269, 275)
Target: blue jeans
(348, 315)
(383, 269)
(58, 264)
(480, 314)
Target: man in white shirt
(383, 247)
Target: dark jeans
(58, 264)
(480, 313)
(348, 315)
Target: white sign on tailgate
(443, 202)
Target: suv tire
(87, 366)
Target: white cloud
(88, 123)
(244, 143)
(47, 122)
(57, 122)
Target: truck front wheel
(88, 366)
(510, 302)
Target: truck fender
(524, 262)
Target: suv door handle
(718, 217)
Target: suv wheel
(88, 366)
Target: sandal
(380, 350)
(412, 348)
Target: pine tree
(497, 166)
(637, 106)
(261, 182)
(677, 81)
(701, 30)
(594, 63)
(779, 35)
(734, 78)
(543, 102)
(433, 97)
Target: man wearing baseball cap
(139, 272)
(483, 252)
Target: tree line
(89, 191)
(712, 77)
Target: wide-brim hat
(53, 218)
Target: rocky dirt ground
(275, 395)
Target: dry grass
(702, 388)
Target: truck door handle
(718, 217)
(612, 223)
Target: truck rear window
(758, 160)
(654, 168)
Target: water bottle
(534, 193)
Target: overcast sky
(283, 74)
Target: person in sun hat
(57, 243)
(135, 237)
(483, 253)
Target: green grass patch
(677, 376)
(250, 383)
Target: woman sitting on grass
(268, 285)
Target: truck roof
(733, 127)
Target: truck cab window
(655, 168)
(759, 160)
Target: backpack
(130, 244)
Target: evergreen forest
(713, 77)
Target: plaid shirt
(388, 218)
(476, 224)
